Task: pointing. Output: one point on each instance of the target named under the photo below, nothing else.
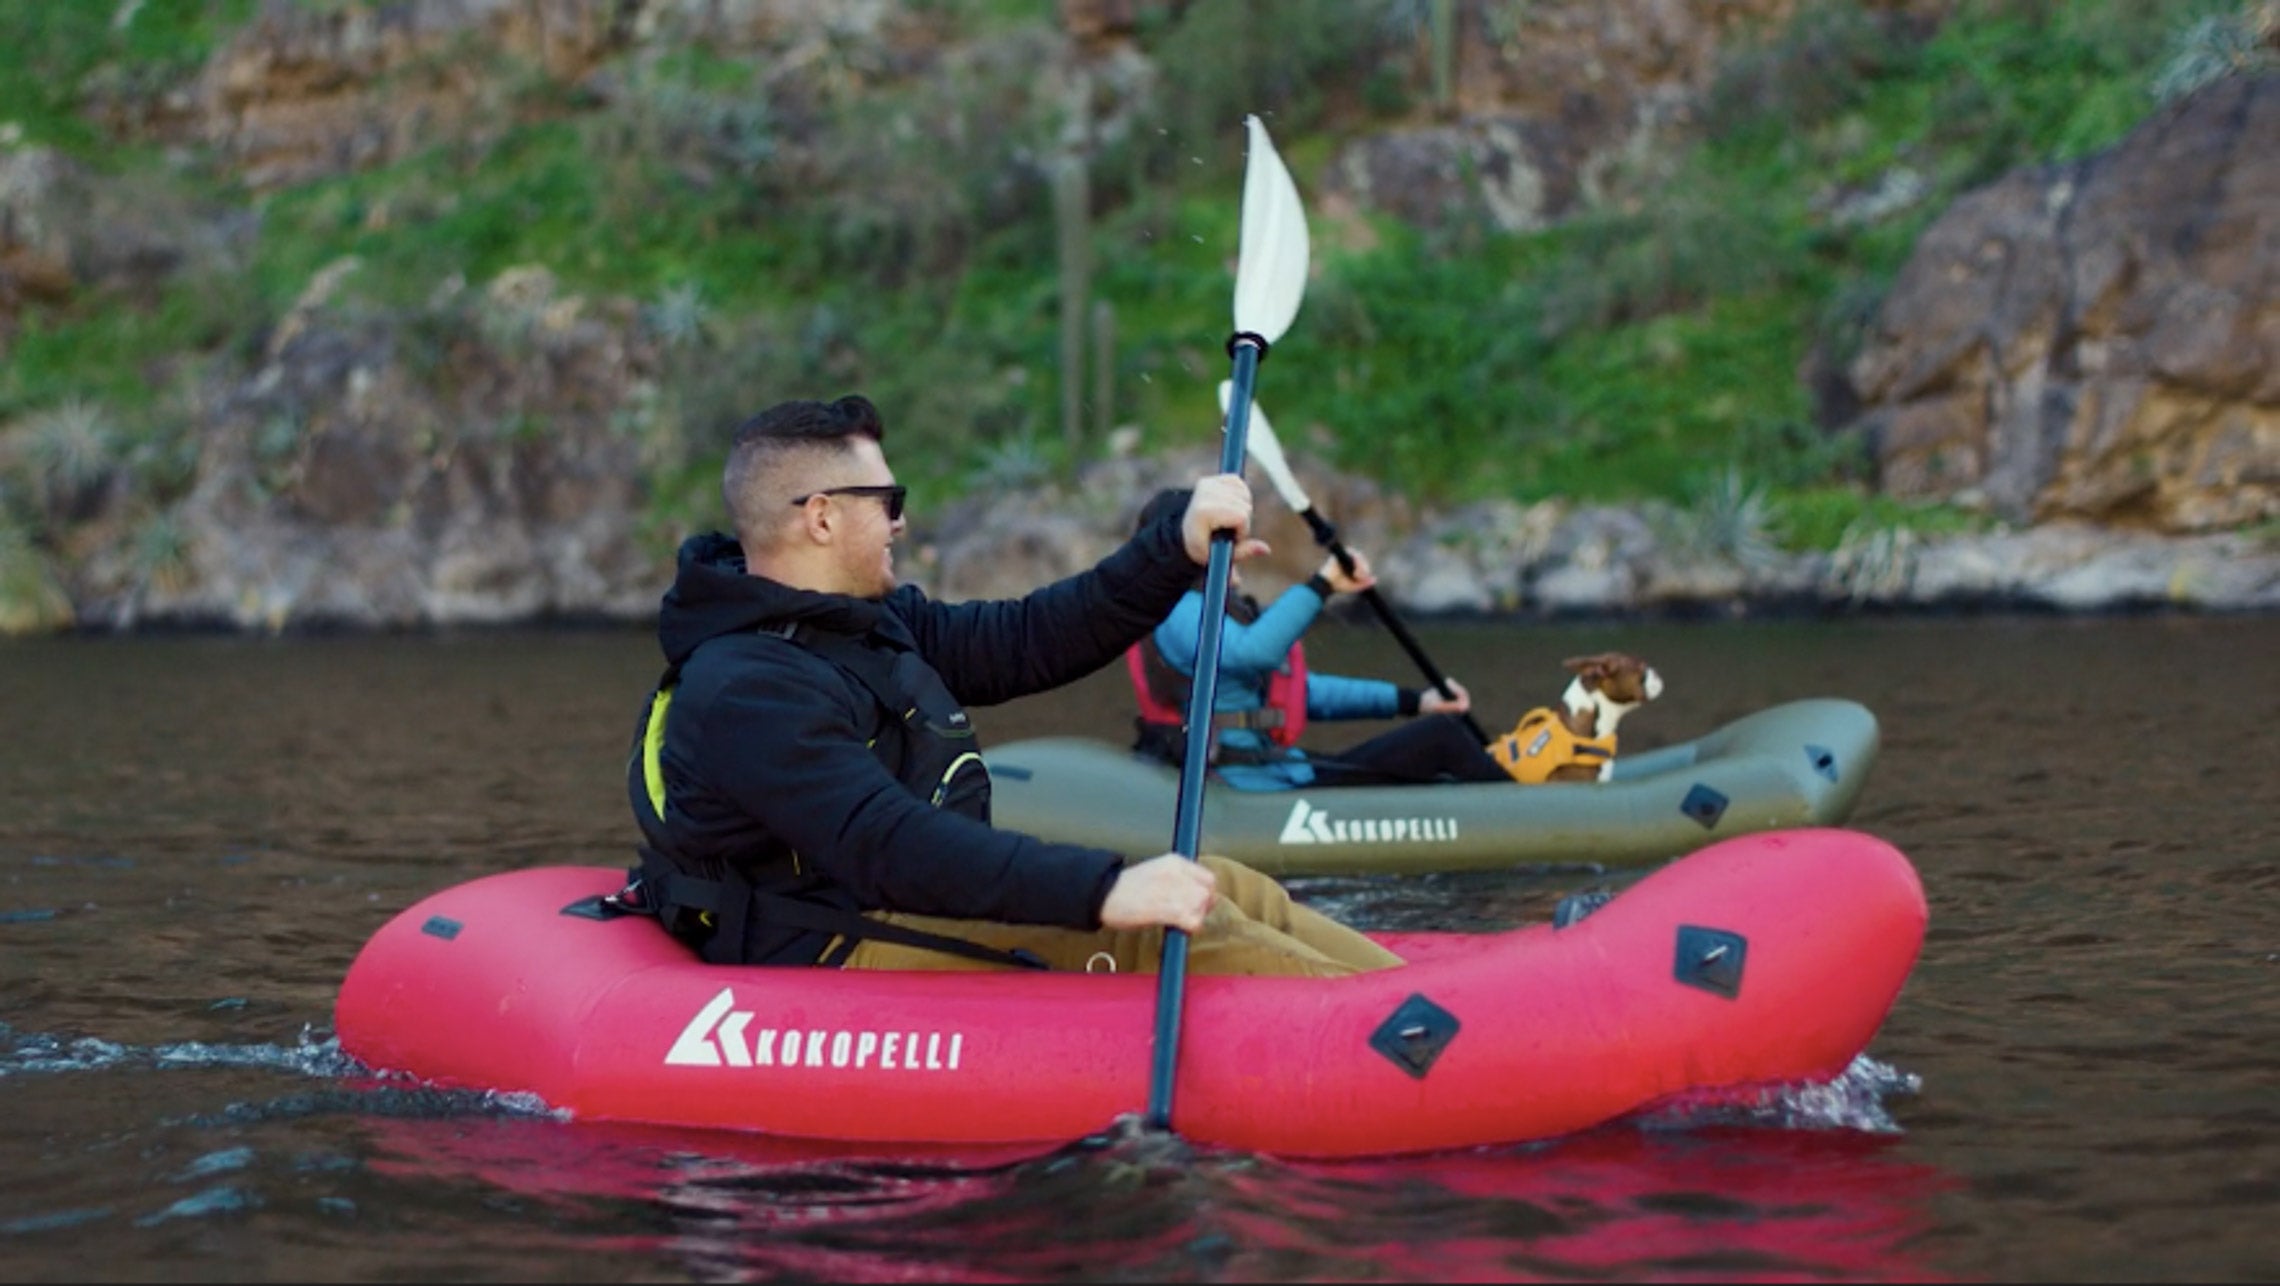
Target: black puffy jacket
(785, 767)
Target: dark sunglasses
(891, 496)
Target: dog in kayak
(1576, 742)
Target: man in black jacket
(810, 786)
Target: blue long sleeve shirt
(1249, 656)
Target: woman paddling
(1266, 696)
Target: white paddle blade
(1270, 265)
(1262, 447)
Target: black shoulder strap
(659, 888)
(875, 669)
(853, 927)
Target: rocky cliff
(2094, 347)
(2099, 341)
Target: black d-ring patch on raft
(1414, 1035)
(439, 927)
(1823, 759)
(1257, 340)
(1710, 959)
(1575, 906)
(601, 906)
(1703, 805)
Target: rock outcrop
(464, 470)
(2099, 340)
(1548, 103)
(305, 91)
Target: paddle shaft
(1187, 823)
(1327, 536)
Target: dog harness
(1540, 743)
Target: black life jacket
(922, 736)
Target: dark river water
(2080, 1082)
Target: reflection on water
(1620, 1202)
(2077, 1084)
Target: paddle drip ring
(1255, 338)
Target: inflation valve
(1823, 759)
(1710, 959)
(1414, 1035)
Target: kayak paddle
(1268, 452)
(1270, 280)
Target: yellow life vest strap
(652, 747)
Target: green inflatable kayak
(1801, 763)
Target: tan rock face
(367, 476)
(1547, 98)
(1095, 24)
(2099, 340)
(40, 195)
(304, 91)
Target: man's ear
(816, 521)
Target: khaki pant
(1253, 929)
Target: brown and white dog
(1606, 687)
(1577, 741)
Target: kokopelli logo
(1310, 825)
(716, 1037)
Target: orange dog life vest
(1540, 743)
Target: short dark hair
(852, 416)
(788, 428)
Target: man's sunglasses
(891, 496)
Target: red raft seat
(1767, 959)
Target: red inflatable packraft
(1765, 959)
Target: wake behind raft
(1764, 960)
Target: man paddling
(811, 789)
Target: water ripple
(35, 1052)
(361, 1090)
(1854, 1099)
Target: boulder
(2098, 340)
